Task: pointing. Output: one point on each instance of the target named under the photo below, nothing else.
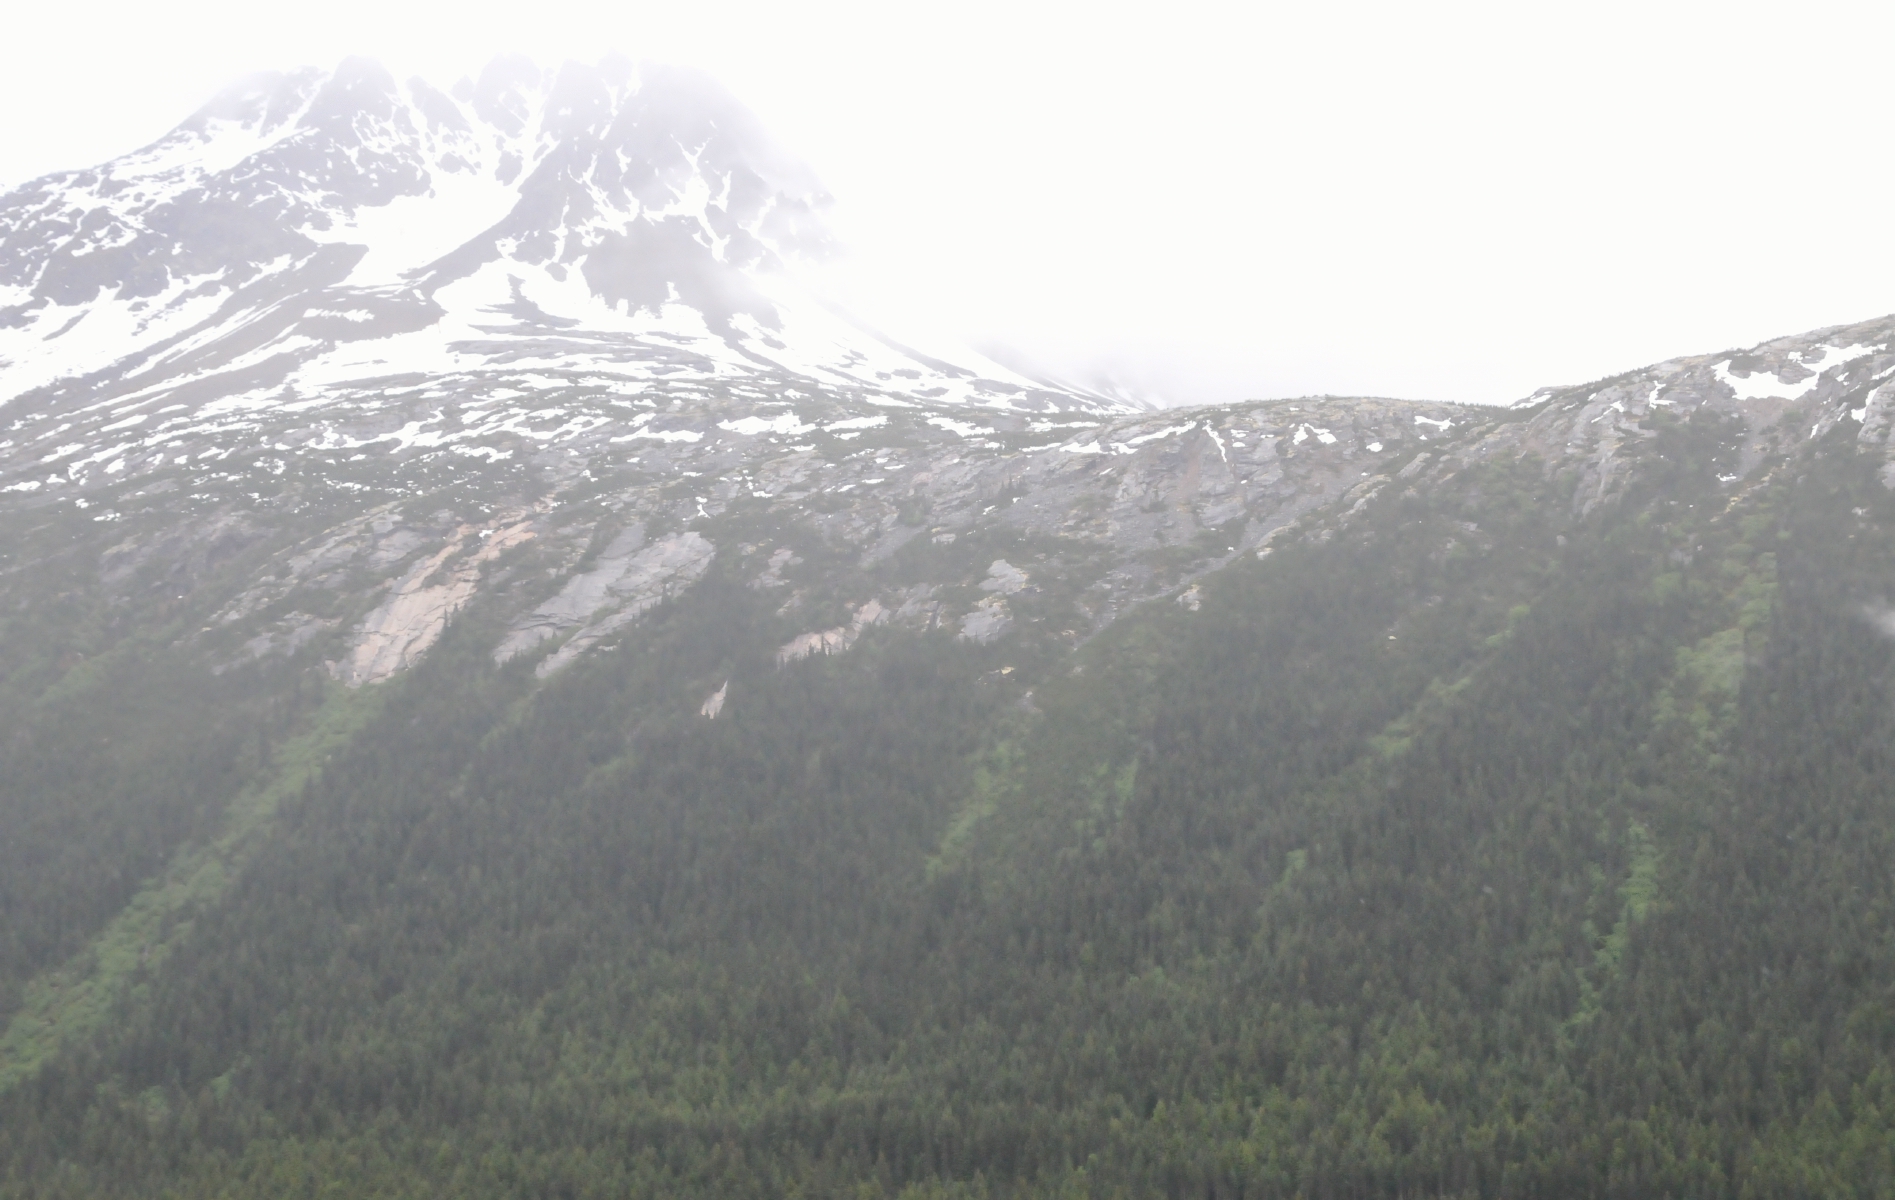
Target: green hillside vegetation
(1475, 848)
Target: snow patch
(1168, 431)
(787, 423)
(1764, 384)
(409, 232)
(962, 428)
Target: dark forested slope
(505, 692)
(1474, 845)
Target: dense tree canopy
(1473, 848)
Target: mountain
(502, 692)
(306, 239)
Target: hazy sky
(1209, 201)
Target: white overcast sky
(1205, 201)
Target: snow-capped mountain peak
(314, 238)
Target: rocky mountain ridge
(287, 336)
(364, 553)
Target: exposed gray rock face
(1773, 396)
(1004, 578)
(989, 619)
(402, 628)
(833, 641)
(629, 579)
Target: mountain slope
(543, 773)
(1478, 844)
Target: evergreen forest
(1473, 847)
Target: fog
(1198, 202)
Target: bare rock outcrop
(401, 629)
(628, 580)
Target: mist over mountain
(505, 691)
(309, 236)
